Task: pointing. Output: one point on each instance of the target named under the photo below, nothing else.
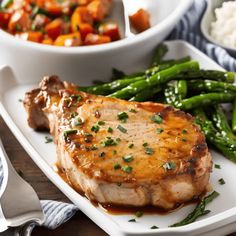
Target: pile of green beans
(182, 84)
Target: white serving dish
(84, 64)
(207, 18)
(223, 209)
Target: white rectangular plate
(223, 209)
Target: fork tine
(19, 202)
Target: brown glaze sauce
(122, 210)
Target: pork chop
(122, 152)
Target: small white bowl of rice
(219, 24)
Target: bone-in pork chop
(121, 152)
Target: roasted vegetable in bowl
(65, 23)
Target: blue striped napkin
(57, 213)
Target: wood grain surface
(79, 224)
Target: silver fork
(19, 202)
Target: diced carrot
(99, 9)
(47, 41)
(85, 29)
(34, 36)
(84, 2)
(140, 20)
(69, 40)
(109, 29)
(53, 8)
(80, 15)
(54, 28)
(4, 19)
(94, 39)
(19, 21)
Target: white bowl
(208, 18)
(87, 63)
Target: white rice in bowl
(223, 30)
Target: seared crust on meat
(156, 155)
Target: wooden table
(79, 224)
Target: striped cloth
(188, 29)
(56, 213)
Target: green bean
(221, 122)
(234, 117)
(108, 88)
(210, 75)
(145, 94)
(225, 145)
(182, 88)
(210, 86)
(177, 61)
(159, 53)
(198, 211)
(205, 99)
(157, 79)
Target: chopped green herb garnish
(78, 121)
(122, 129)
(221, 181)
(94, 147)
(71, 131)
(88, 135)
(184, 131)
(20, 100)
(127, 169)
(149, 151)
(101, 122)
(74, 114)
(110, 130)
(117, 166)
(139, 214)
(198, 211)
(119, 184)
(102, 154)
(145, 144)
(132, 220)
(169, 165)
(114, 152)
(77, 97)
(118, 140)
(132, 110)
(128, 158)
(108, 142)
(123, 116)
(18, 27)
(160, 130)
(131, 145)
(48, 139)
(157, 119)
(184, 139)
(217, 166)
(154, 227)
(95, 128)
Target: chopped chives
(122, 129)
(117, 166)
(157, 119)
(160, 130)
(127, 169)
(128, 158)
(221, 181)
